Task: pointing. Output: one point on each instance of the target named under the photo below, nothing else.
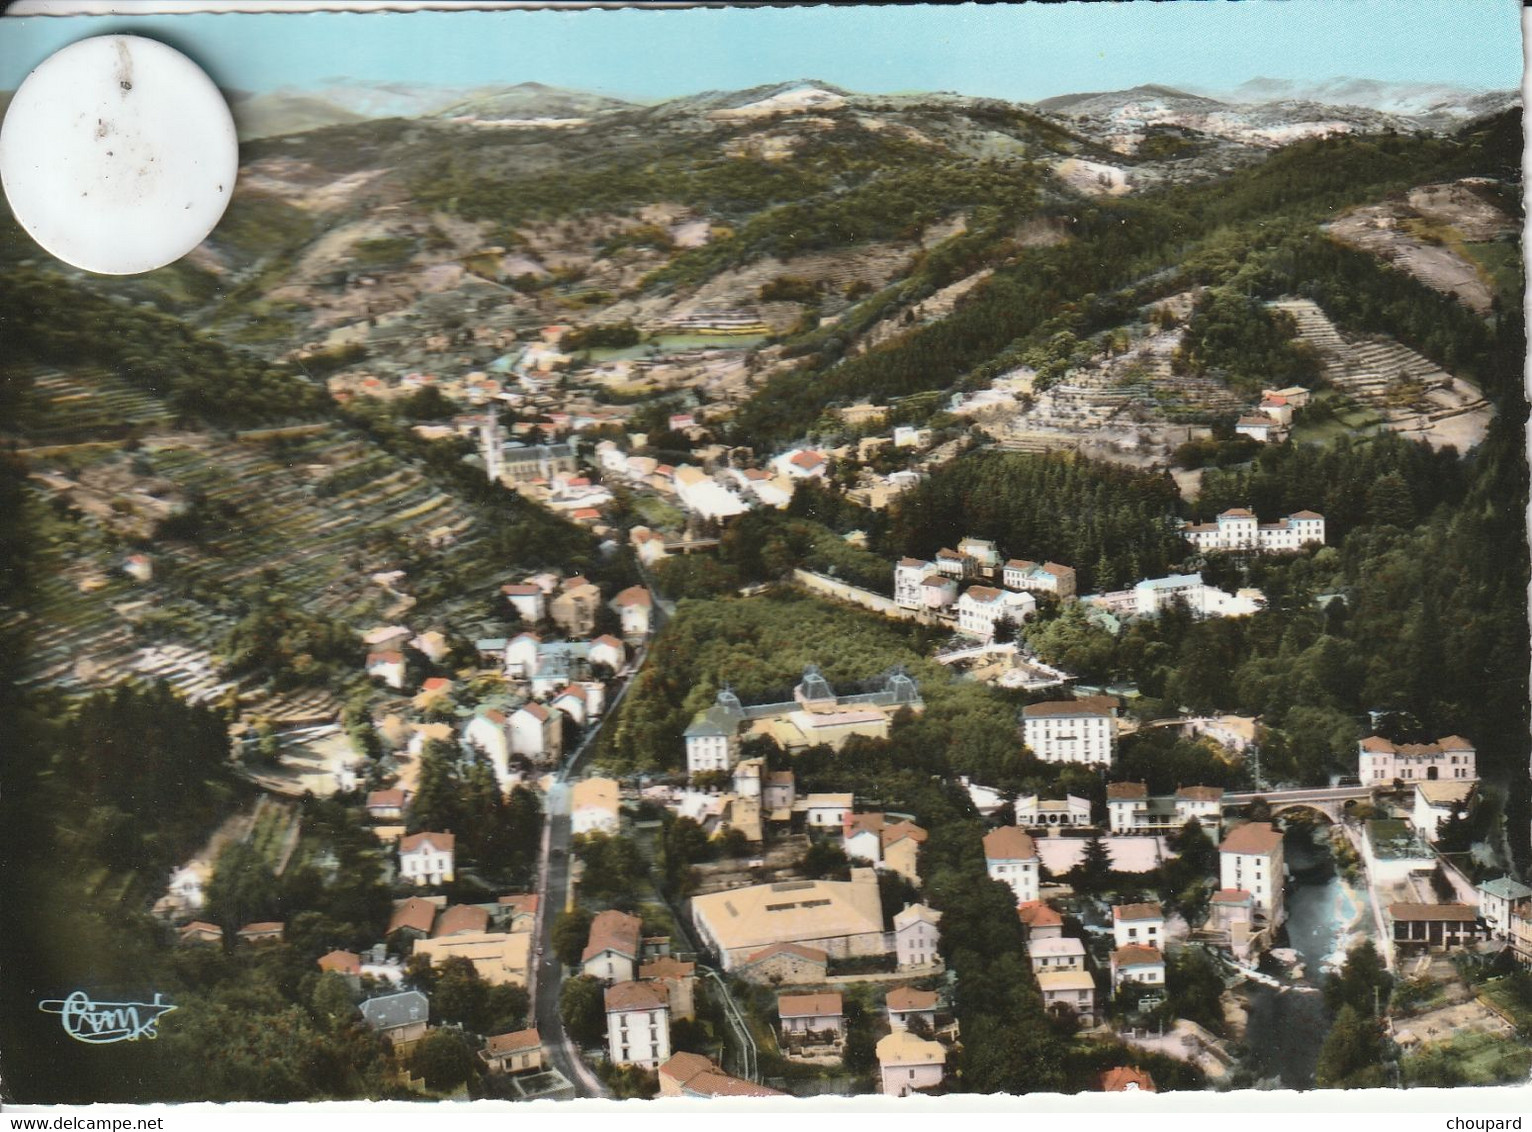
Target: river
(1287, 1027)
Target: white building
(907, 436)
(702, 494)
(1071, 731)
(802, 464)
(916, 934)
(1238, 529)
(1261, 428)
(712, 737)
(609, 651)
(907, 1063)
(981, 608)
(1073, 991)
(1499, 899)
(1035, 577)
(1434, 802)
(528, 600)
(1138, 924)
(909, 577)
(1062, 954)
(387, 666)
(489, 731)
(1011, 857)
(1048, 813)
(594, 806)
(1452, 758)
(638, 1024)
(825, 811)
(427, 858)
(537, 733)
(521, 655)
(1138, 963)
(1250, 860)
(635, 607)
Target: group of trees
(498, 833)
(1355, 1049)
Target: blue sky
(1021, 52)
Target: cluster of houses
(992, 590)
(1239, 529)
(1273, 417)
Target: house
(1202, 804)
(460, 919)
(901, 849)
(1138, 923)
(862, 837)
(1127, 1079)
(200, 931)
(387, 805)
(594, 806)
(401, 1018)
(435, 692)
(954, 565)
(1072, 731)
(916, 935)
(1499, 900)
(1260, 428)
(1238, 529)
(1434, 927)
(1061, 954)
(1071, 813)
(1039, 577)
(1250, 859)
(527, 599)
(520, 655)
(490, 732)
(574, 609)
(571, 703)
(612, 948)
(908, 436)
(637, 1024)
(712, 737)
(518, 1052)
(982, 552)
(785, 963)
(412, 919)
(347, 963)
(519, 911)
(780, 791)
(427, 858)
(1039, 921)
(648, 545)
(692, 1075)
(1521, 936)
(909, 577)
(1011, 857)
(907, 1064)
(1137, 963)
(635, 607)
(1435, 803)
(811, 1020)
(825, 811)
(1379, 760)
(844, 919)
(537, 733)
(679, 979)
(608, 652)
(982, 608)
(1070, 992)
(747, 777)
(267, 931)
(801, 464)
(906, 1004)
(387, 666)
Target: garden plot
(62, 408)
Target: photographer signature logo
(100, 1023)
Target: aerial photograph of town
(782, 553)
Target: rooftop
(809, 1005)
(908, 998)
(1256, 837)
(1009, 843)
(786, 912)
(1146, 911)
(636, 996)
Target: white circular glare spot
(118, 154)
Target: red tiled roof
(908, 998)
(1457, 913)
(1135, 954)
(344, 962)
(667, 968)
(1376, 744)
(461, 918)
(1125, 1078)
(1231, 896)
(1147, 911)
(385, 799)
(1094, 705)
(1009, 843)
(415, 913)
(521, 589)
(1253, 837)
(613, 931)
(634, 595)
(536, 711)
(695, 1072)
(853, 824)
(636, 996)
(521, 902)
(264, 927)
(1036, 914)
(1201, 793)
(812, 954)
(1305, 515)
(825, 1004)
(892, 834)
(444, 841)
(513, 1042)
(1126, 791)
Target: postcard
(776, 552)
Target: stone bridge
(1329, 801)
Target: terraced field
(310, 518)
(64, 408)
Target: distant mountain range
(1266, 103)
